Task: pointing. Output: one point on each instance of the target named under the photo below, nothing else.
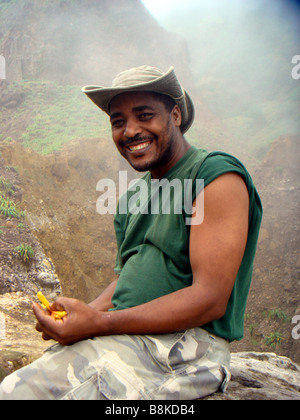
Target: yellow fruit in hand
(55, 314)
(43, 301)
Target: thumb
(58, 305)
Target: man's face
(143, 130)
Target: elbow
(211, 305)
(218, 310)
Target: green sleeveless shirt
(152, 232)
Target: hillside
(78, 42)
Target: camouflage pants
(180, 366)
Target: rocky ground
(20, 343)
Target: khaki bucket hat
(146, 79)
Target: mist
(243, 56)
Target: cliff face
(83, 41)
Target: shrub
(9, 209)
(25, 252)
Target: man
(161, 330)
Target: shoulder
(220, 163)
(224, 172)
(227, 191)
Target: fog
(243, 55)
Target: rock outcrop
(81, 41)
(262, 376)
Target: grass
(57, 115)
(25, 251)
(274, 339)
(279, 315)
(8, 208)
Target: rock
(9, 224)
(46, 278)
(262, 376)
(3, 373)
(46, 263)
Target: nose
(132, 128)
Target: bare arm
(216, 251)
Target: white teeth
(139, 147)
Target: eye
(117, 123)
(146, 116)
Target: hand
(79, 324)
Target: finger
(38, 310)
(38, 327)
(46, 337)
(45, 321)
(60, 304)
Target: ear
(176, 115)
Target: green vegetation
(9, 209)
(274, 339)
(25, 252)
(279, 315)
(57, 114)
(12, 168)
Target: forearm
(103, 302)
(187, 308)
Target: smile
(139, 147)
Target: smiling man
(149, 148)
(162, 329)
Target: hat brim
(102, 96)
